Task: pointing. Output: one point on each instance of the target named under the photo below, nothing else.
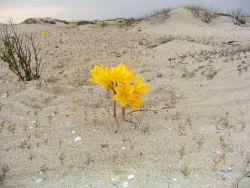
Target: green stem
(123, 112)
(114, 106)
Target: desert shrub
(129, 22)
(48, 21)
(158, 16)
(238, 17)
(44, 21)
(100, 24)
(205, 14)
(20, 51)
(84, 22)
(30, 21)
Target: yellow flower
(139, 86)
(101, 76)
(121, 74)
(125, 95)
(110, 77)
(45, 33)
(119, 79)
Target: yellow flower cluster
(128, 91)
(45, 33)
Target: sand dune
(199, 83)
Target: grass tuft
(158, 16)
(202, 12)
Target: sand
(59, 131)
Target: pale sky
(20, 10)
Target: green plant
(52, 79)
(185, 170)
(145, 128)
(182, 151)
(20, 51)
(188, 74)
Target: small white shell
(131, 177)
(38, 180)
(78, 138)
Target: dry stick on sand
(148, 110)
(141, 110)
(129, 121)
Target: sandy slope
(199, 138)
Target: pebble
(175, 179)
(38, 180)
(125, 184)
(123, 148)
(4, 95)
(73, 132)
(78, 138)
(115, 178)
(131, 177)
(228, 169)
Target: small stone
(73, 132)
(223, 177)
(5, 95)
(125, 184)
(115, 178)
(78, 138)
(131, 177)
(123, 148)
(38, 180)
(175, 179)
